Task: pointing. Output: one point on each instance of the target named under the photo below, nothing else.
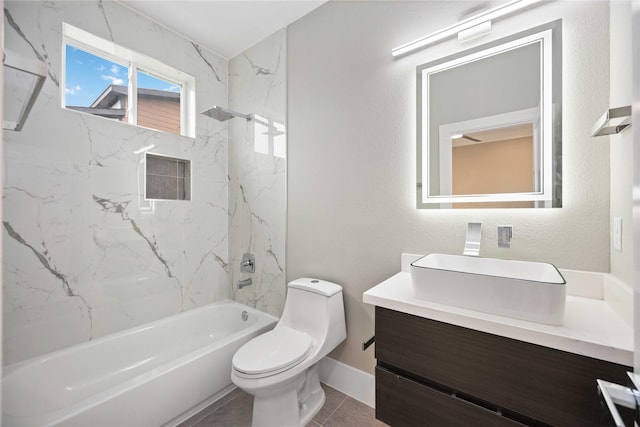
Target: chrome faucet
(245, 282)
(248, 263)
(474, 236)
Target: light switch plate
(617, 233)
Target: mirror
(489, 125)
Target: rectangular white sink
(526, 290)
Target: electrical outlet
(617, 233)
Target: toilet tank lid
(317, 286)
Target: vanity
(442, 365)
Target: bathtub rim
(11, 368)
(264, 320)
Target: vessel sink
(526, 290)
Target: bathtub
(152, 375)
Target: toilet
(280, 368)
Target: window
(99, 77)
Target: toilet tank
(316, 307)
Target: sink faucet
(474, 235)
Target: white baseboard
(350, 381)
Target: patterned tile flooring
(235, 409)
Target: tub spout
(243, 283)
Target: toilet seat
(271, 353)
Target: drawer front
(402, 402)
(552, 386)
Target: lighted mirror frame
(549, 158)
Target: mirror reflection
(486, 126)
(490, 161)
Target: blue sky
(87, 76)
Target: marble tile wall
(257, 181)
(84, 254)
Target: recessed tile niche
(167, 178)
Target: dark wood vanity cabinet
(431, 373)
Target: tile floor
(234, 410)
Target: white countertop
(591, 327)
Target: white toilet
(280, 367)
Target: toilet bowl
(280, 368)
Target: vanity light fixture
(466, 29)
(474, 32)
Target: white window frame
(134, 62)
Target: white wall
(621, 144)
(635, 46)
(80, 260)
(352, 131)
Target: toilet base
(291, 408)
(311, 396)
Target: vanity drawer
(403, 402)
(544, 384)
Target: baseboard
(350, 381)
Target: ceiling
(225, 26)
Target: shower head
(223, 114)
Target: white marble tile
(257, 186)
(81, 259)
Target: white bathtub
(156, 374)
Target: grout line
(207, 411)
(235, 394)
(196, 418)
(192, 421)
(334, 411)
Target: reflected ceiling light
(461, 135)
(478, 21)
